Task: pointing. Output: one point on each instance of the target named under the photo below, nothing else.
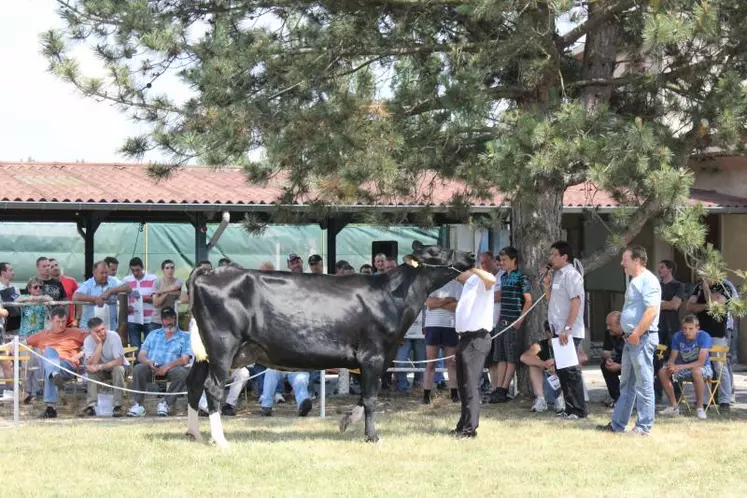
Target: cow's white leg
(216, 430)
(193, 424)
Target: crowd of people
(83, 338)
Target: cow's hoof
(194, 437)
(373, 439)
(345, 422)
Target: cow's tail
(198, 347)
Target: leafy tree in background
(383, 100)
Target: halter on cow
(292, 321)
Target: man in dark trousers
(474, 321)
(564, 288)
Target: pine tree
(370, 100)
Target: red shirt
(70, 286)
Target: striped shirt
(513, 287)
(441, 317)
(138, 310)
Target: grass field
(515, 454)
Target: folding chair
(660, 350)
(718, 355)
(6, 358)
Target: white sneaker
(136, 411)
(701, 414)
(559, 405)
(540, 405)
(163, 409)
(278, 398)
(671, 410)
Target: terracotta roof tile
(129, 183)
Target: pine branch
(649, 209)
(603, 16)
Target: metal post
(343, 381)
(332, 230)
(323, 395)
(16, 383)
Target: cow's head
(438, 256)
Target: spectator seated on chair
(166, 352)
(61, 347)
(105, 359)
(689, 361)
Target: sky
(41, 117)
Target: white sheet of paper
(565, 356)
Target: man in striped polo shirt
(140, 303)
(516, 299)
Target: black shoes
(50, 412)
(228, 410)
(304, 408)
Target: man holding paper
(564, 288)
(474, 321)
(639, 320)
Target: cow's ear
(412, 261)
(417, 246)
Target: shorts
(687, 375)
(507, 347)
(441, 336)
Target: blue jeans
(136, 333)
(259, 382)
(50, 367)
(314, 377)
(299, 381)
(637, 384)
(417, 346)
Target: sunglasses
(36, 286)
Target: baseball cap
(293, 256)
(315, 258)
(167, 311)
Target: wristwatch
(566, 329)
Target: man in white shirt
(564, 288)
(474, 321)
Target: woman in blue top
(34, 316)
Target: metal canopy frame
(89, 216)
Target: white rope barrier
(124, 389)
(17, 345)
(52, 303)
(508, 327)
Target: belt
(645, 333)
(474, 333)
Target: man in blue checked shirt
(166, 352)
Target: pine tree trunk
(535, 226)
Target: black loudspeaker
(388, 247)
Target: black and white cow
(293, 321)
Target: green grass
(515, 454)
